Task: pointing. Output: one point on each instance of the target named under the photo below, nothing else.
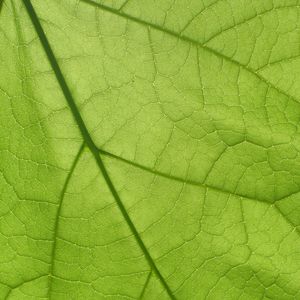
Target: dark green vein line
(88, 140)
(179, 179)
(1, 5)
(192, 41)
(195, 183)
(257, 15)
(22, 283)
(145, 285)
(277, 208)
(59, 76)
(123, 5)
(58, 213)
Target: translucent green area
(150, 149)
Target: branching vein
(58, 213)
(191, 41)
(88, 140)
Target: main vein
(88, 140)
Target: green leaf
(150, 149)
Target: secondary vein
(195, 183)
(179, 179)
(1, 5)
(88, 140)
(191, 41)
(145, 285)
(58, 213)
(22, 283)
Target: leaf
(149, 149)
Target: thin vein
(279, 61)
(197, 15)
(58, 213)
(145, 285)
(88, 140)
(192, 41)
(250, 19)
(124, 4)
(22, 283)
(288, 220)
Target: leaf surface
(149, 149)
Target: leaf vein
(192, 41)
(195, 183)
(58, 212)
(88, 140)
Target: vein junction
(89, 142)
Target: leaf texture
(149, 149)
